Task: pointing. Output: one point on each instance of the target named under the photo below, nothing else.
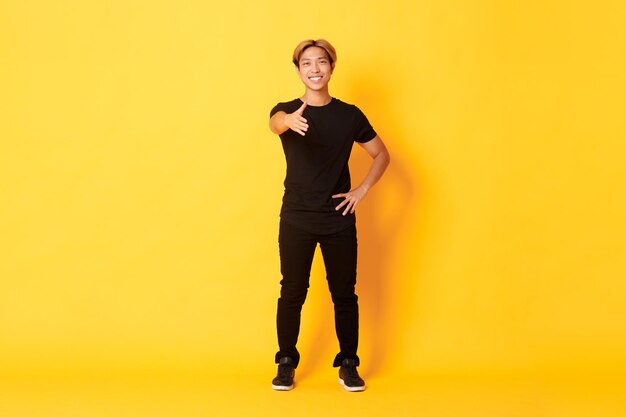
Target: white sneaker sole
(282, 387)
(351, 389)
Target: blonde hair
(320, 43)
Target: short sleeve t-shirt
(317, 164)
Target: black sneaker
(349, 377)
(286, 372)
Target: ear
(332, 67)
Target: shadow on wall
(382, 217)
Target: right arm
(280, 122)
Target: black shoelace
(351, 372)
(284, 371)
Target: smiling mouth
(315, 78)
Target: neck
(317, 98)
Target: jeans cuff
(341, 356)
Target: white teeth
(315, 78)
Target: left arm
(377, 150)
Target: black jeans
(339, 251)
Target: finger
(347, 209)
(295, 129)
(297, 125)
(343, 203)
(302, 119)
(301, 109)
(339, 195)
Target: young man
(317, 132)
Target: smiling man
(317, 132)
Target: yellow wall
(140, 185)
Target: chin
(317, 87)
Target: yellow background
(140, 188)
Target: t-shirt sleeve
(277, 108)
(364, 130)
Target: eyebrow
(309, 59)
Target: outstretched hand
(296, 122)
(352, 199)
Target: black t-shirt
(317, 164)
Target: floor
(316, 394)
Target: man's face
(315, 68)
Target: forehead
(314, 52)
